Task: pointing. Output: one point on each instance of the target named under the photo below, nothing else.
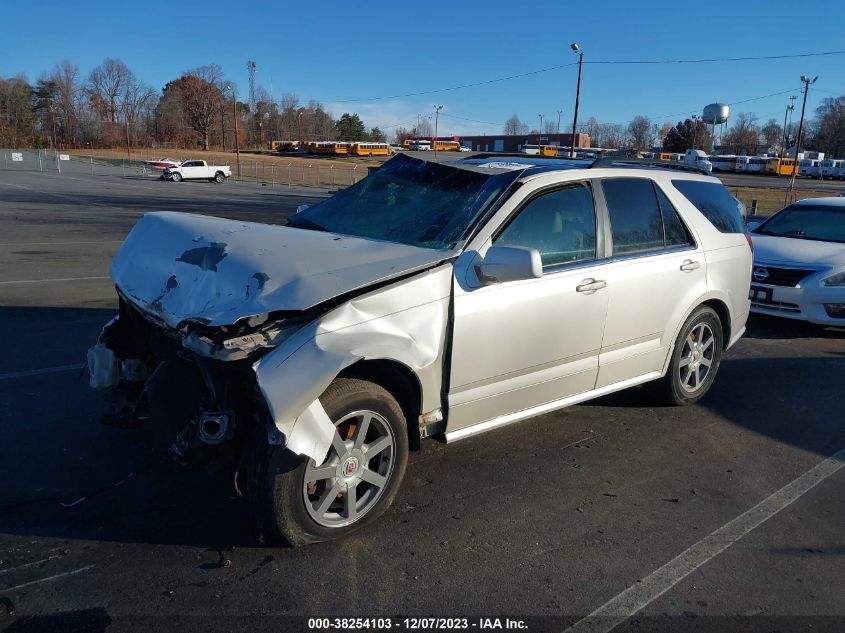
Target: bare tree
(514, 126)
(829, 133)
(593, 130)
(744, 135)
(424, 128)
(639, 132)
(613, 135)
(772, 134)
(68, 100)
(106, 84)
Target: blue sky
(335, 51)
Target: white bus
(723, 163)
(809, 167)
(755, 165)
(828, 167)
(419, 145)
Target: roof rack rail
(517, 155)
(611, 161)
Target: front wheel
(695, 359)
(303, 502)
(175, 177)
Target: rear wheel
(695, 359)
(218, 177)
(304, 502)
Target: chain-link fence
(275, 173)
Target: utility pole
(786, 112)
(806, 81)
(792, 99)
(540, 133)
(299, 116)
(437, 110)
(577, 50)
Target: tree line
(112, 107)
(823, 132)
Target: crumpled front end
(210, 391)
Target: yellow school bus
(664, 156)
(781, 166)
(446, 146)
(340, 147)
(540, 150)
(320, 147)
(370, 149)
(406, 144)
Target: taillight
(750, 243)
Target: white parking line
(638, 596)
(35, 562)
(43, 281)
(72, 243)
(48, 578)
(38, 372)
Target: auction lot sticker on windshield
(17, 157)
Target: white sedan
(799, 262)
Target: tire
(301, 503)
(219, 177)
(175, 177)
(695, 359)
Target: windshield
(807, 222)
(409, 201)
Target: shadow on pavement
(67, 476)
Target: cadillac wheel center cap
(349, 467)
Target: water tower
(715, 114)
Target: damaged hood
(179, 267)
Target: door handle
(591, 285)
(690, 265)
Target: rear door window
(635, 220)
(715, 204)
(674, 232)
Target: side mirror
(302, 208)
(509, 263)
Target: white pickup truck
(196, 170)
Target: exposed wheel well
(400, 382)
(724, 317)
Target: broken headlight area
(199, 401)
(248, 338)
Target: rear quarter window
(714, 202)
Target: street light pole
(694, 129)
(437, 110)
(540, 133)
(235, 118)
(806, 81)
(576, 49)
(559, 114)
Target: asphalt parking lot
(618, 504)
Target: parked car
(428, 299)
(463, 148)
(196, 170)
(799, 262)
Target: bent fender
(293, 376)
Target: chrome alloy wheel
(346, 486)
(696, 357)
